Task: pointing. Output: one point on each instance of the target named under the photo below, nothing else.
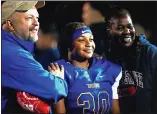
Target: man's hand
(56, 70)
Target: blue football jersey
(90, 90)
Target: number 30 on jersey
(97, 104)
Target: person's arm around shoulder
(22, 72)
(36, 105)
(115, 106)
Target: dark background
(61, 12)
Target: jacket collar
(26, 45)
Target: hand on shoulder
(57, 70)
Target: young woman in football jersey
(92, 83)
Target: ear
(10, 25)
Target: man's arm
(22, 72)
(36, 105)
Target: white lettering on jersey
(93, 85)
(128, 79)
